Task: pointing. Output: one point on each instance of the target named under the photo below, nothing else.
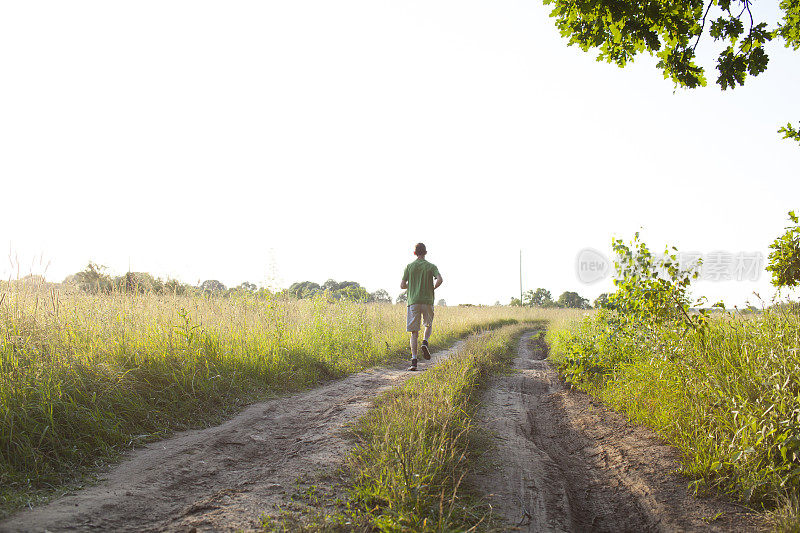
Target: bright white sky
(320, 139)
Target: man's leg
(428, 322)
(412, 326)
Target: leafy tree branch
(671, 30)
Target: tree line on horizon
(337, 290)
(94, 279)
(544, 299)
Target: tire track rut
(561, 461)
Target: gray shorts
(417, 312)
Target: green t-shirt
(419, 276)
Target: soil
(561, 461)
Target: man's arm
(439, 280)
(404, 284)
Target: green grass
(728, 399)
(84, 377)
(417, 443)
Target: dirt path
(221, 478)
(563, 462)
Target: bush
(724, 389)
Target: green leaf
(790, 132)
(757, 61)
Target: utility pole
(520, 277)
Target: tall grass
(83, 377)
(728, 398)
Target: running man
(418, 279)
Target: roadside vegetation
(417, 443)
(723, 387)
(84, 376)
(729, 398)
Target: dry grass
(83, 377)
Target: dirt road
(562, 462)
(221, 478)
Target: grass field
(728, 398)
(83, 377)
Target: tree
(784, 260)
(212, 286)
(128, 282)
(355, 293)
(351, 290)
(335, 290)
(515, 302)
(330, 285)
(265, 293)
(603, 302)
(173, 286)
(672, 30)
(93, 279)
(304, 289)
(335, 286)
(441, 303)
(381, 296)
(402, 297)
(527, 298)
(138, 282)
(572, 300)
(246, 286)
(538, 298)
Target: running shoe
(425, 352)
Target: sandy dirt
(222, 478)
(560, 461)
